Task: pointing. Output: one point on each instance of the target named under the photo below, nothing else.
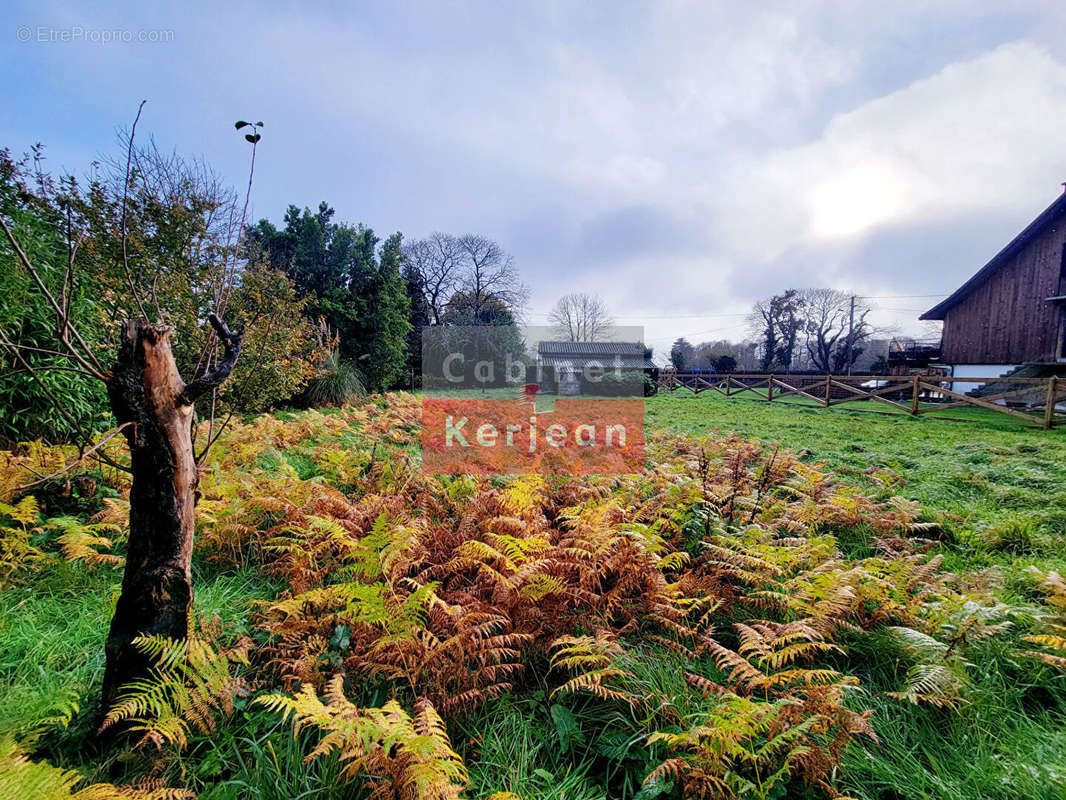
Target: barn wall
(1007, 319)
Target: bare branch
(80, 458)
(125, 196)
(581, 318)
(438, 261)
(59, 368)
(228, 282)
(210, 379)
(63, 323)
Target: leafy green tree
(321, 258)
(385, 324)
(776, 323)
(681, 354)
(419, 315)
(723, 362)
(358, 289)
(32, 381)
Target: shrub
(338, 383)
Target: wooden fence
(1031, 399)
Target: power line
(898, 296)
(662, 316)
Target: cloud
(979, 136)
(683, 157)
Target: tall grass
(339, 382)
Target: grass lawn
(976, 474)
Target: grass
(997, 486)
(972, 475)
(1008, 742)
(51, 651)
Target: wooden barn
(1011, 313)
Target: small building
(1012, 312)
(612, 368)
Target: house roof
(1032, 230)
(590, 348)
(576, 354)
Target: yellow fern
(16, 552)
(39, 780)
(1054, 623)
(189, 684)
(399, 756)
(83, 542)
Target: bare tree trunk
(146, 390)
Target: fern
(189, 685)
(16, 552)
(22, 778)
(83, 542)
(593, 658)
(737, 751)
(398, 755)
(1053, 639)
(937, 676)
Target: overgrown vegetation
(742, 619)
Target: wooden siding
(1007, 319)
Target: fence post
(770, 389)
(828, 390)
(1049, 410)
(914, 397)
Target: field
(988, 480)
(828, 602)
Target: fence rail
(1031, 399)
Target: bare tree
(154, 407)
(835, 327)
(439, 261)
(581, 318)
(488, 276)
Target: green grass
(997, 486)
(52, 630)
(51, 643)
(1009, 741)
(970, 475)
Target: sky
(678, 159)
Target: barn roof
(577, 354)
(591, 348)
(1032, 230)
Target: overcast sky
(681, 159)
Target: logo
(512, 400)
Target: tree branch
(63, 321)
(81, 458)
(210, 379)
(13, 348)
(125, 196)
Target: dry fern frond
(1054, 623)
(39, 780)
(189, 685)
(83, 542)
(16, 552)
(399, 756)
